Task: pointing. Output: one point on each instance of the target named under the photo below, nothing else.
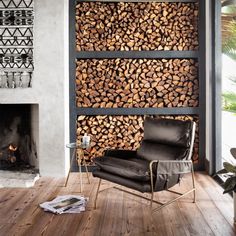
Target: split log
(111, 83)
(136, 26)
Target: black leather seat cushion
(155, 151)
(144, 187)
(132, 168)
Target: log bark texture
(136, 26)
(119, 132)
(111, 83)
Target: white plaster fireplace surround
(50, 87)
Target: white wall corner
(51, 83)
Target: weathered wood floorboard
(117, 212)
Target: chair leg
(173, 200)
(183, 194)
(134, 194)
(96, 196)
(151, 200)
(193, 181)
(152, 187)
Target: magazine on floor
(65, 204)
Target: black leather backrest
(168, 131)
(154, 151)
(166, 139)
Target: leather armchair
(163, 157)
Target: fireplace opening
(18, 150)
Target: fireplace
(18, 151)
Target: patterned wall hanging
(16, 43)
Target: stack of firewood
(136, 26)
(124, 132)
(118, 132)
(133, 83)
(140, 83)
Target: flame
(12, 148)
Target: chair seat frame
(151, 199)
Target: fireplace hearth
(17, 145)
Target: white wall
(49, 86)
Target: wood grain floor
(118, 213)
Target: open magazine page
(66, 204)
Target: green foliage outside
(229, 45)
(229, 98)
(229, 48)
(229, 102)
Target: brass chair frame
(193, 189)
(188, 161)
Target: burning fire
(11, 156)
(12, 148)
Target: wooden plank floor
(118, 213)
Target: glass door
(228, 31)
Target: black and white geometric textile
(16, 43)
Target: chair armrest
(165, 168)
(172, 166)
(120, 153)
